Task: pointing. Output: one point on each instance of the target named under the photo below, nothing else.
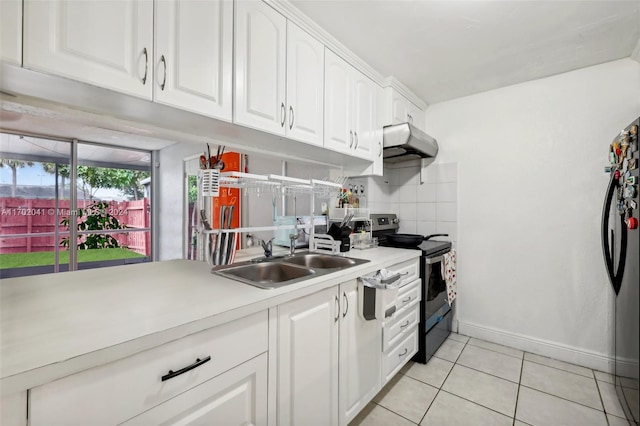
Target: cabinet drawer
(410, 270)
(393, 332)
(398, 356)
(237, 397)
(115, 392)
(408, 295)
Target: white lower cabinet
(237, 397)
(119, 391)
(360, 356)
(308, 360)
(329, 358)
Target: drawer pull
(405, 324)
(406, 300)
(403, 353)
(171, 374)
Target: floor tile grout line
(561, 397)
(562, 369)
(477, 403)
(604, 409)
(458, 396)
(488, 374)
(515, 410)
(397, 414)
(464, 345)
(493, 350)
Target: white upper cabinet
(11, 31)
(194, 56)
(260, 67)
(349, 108)
(279, 75)
(364, 125)
(305, 86)
(403, 111)
(106, 43)
(338, 130)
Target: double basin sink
(277, 272)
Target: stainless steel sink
(266, 274)
(278, 272)
(321, 261)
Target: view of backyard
(112, 215)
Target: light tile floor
(473, 382)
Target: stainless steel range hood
(403, 142)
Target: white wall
(530, 190)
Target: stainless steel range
(435, 312)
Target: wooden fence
(34, 216)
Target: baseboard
(541, 347)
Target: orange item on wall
(228, 196)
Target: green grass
(22, 260)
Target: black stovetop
(385, 224)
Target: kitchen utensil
(203, 162)
(226, 236)
(219, 164)
(223, 209)
(208, 252)
(209, 164)
(230, 237)
(410, 240)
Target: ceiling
(448, 49)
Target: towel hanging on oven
(448, 266)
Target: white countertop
(57, 324)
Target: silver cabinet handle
(146, 65)
(337, 309)
(403, 353)
(406, 300)
(350, 138)
(346, 304)
(380, 153)
(356, 146)
(164, 80)
(282, 113)
(405, 324)
(290, 117)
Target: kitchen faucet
(293, 237)
(267, 247)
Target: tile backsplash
(427, 208)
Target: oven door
(435, 288)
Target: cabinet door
(364, 91)
(360, 355)
(399, 108)
(11, 31)
(237, 397)
(308, 360)
(305, 86)
(338, 131)
(260, 67)
(193, 56)
(106, 43)
(416, 116)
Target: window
(41, 232)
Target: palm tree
(59, 169)
(14, 165)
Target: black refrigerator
(621, 249)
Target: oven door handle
(432, 260)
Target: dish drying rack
(210, 181)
